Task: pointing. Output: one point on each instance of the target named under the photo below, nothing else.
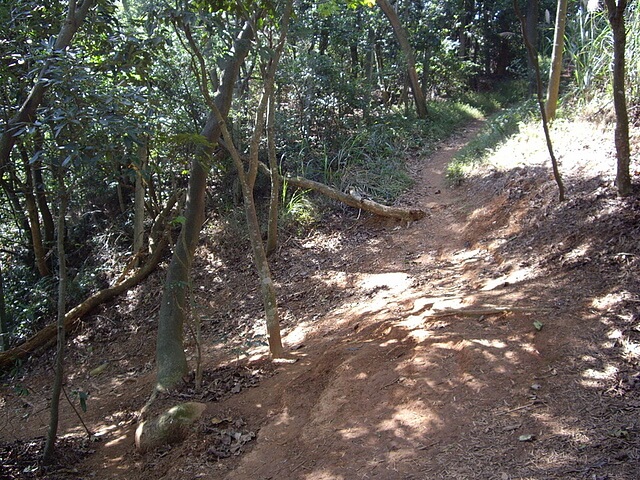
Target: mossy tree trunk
(170, 355)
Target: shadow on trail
(408, 395)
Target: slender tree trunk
(276, 184)
(403, 40)
(48, 225)
(247, 182)
(623, 152)
(170, 356)
(4, 319)
(138, 203)
(553, 89)
(463, 36)
(531, 32)
(62, 297)
(31, 206)
(533, 58)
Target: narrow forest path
(386, 388)
(384, 385)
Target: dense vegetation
(121, 107)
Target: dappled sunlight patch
(514, 277)
(609, 300)
(410, 417)
(389, 282)
(352, 433)
(490, 343)
(561, 426)
(323, 474)
(593, 378)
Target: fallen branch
(357, 201)
(474, 312)
(72, 319)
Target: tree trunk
(76, 14)
(531, 32)
(623, 152)
(247, 182)
(553, 89)
(48, 226)
(401, 36)
(39, 250)
(170, 355)
(4, 319)
(533, 58)
(62, 298)
(276, 184)
(138, 203)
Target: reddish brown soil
(382, 384)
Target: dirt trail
(383, 386)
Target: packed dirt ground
(498, 338)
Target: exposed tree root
(473, 312)
(47, 335)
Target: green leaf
(179, 220)
(538, 325)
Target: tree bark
(531, 32)
(247, 181)
(533, 58)
(54, 408)
(553, 89)
(276, 184)
(138, 203)
(170, 355)
(4, 319)
(623, 152)
(39, 250)
(401, 36)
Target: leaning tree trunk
(247, 182)
(533, 58)
(403, 40)
(62, 302)
(623, 152)
(170, 355)
(553, 89)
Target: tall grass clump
(589, 47)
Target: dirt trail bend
(385, 387)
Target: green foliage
(590, 50)
(297, 209)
